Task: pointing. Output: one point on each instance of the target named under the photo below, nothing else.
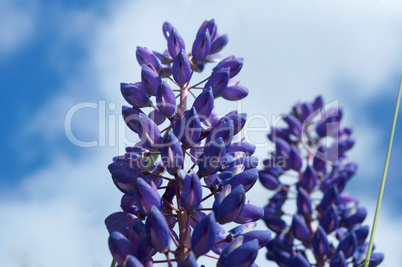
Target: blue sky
(54, 55)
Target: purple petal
(146, 196)
(234, 93)
(134, 96)
(231, 206)
(158, 230)
(181, 68)
(309, 179)
(303, 202)
(204, 103)
(157, 117)
(246, 178)
(320, 242)
(148, 131)
(348, 245)
(219, 81)
(120, 247)
(192, 192)
(250, 213)
(175, 43)
(201, 46)
(219, 44)
(204, 235)
(210, 161)
(300, 229)
(167, 27)
(172, 153)
(166, 100)
(145, 56)
(188, 128)
(150, 78)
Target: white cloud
(292, 51)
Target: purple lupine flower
(226, 169)
(320, 171)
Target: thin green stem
(113, 263)
(384, 176)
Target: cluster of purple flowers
(169, 175)
(315, 221)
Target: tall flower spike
(158, 230)
(181, 69)
(166, 100)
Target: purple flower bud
(192, 191)
(166, 100)
(282, 148)
(146, 196)
(188, 128)
(219, 81)
(181, 68)
(164, 58)
(201, 46)
(330, 221)
(318, 162)
(353, 216)
(150, 79)
(237, 256)
(262, 236)
(175, 43)
(318, 103)
(127, 200)
(245, 147)
(132, 261)
(235, 65)
(219, 44)
(172, 153)
(309, 179)
(330, 197)
(158, 230)
(131, 116)
(211, 26)
(348, 245)
(269, 181)
(234, 93)
(361, 234)
(375, 259)
(167, 27)
(120, 247)
(157, 117)
(223, 130)
(338, 260)
(247, 179)
(148, 131)
(120, 222)
(189, 261)
(228, 208)
(303, 202)
(242, 229)
(300, 229)
(124, 180)
(239, 120)
(295, 160)
(204, 235)
(210, 161)
(250, 213)
(134, 96)
(145, 56)
(300, 261)
(274, 223)
(204, 103)
(294, 125)
(320, 242)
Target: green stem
(384, 175)
(113, 263)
